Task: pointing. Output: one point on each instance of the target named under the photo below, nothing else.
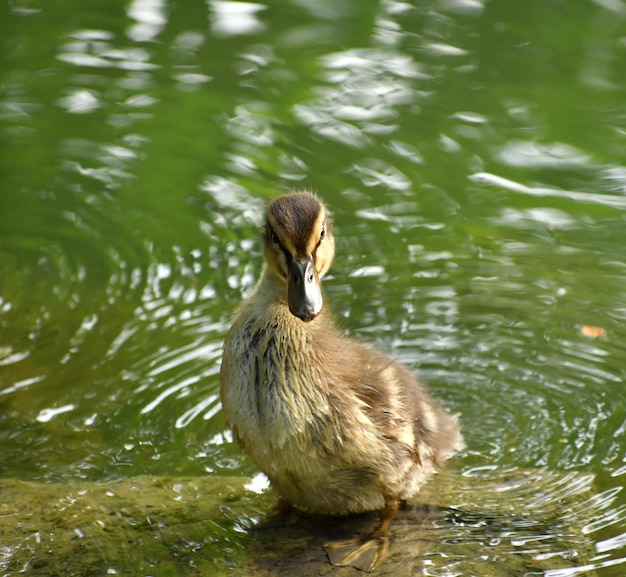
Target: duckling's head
(299, 247)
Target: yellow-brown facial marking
(299, 247)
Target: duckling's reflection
(294, 549)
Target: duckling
(337, 427)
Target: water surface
(471, 153)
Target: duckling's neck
(271, 287)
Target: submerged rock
(487, 523)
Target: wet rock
(488, 523)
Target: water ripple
(485, 178)
(365, 88)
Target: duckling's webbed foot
(364, 553)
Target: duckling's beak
(304, 294)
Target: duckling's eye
(275, 238)
(322, 234)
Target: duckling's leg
(365, 553)
(281, 515)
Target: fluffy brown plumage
(336, 426)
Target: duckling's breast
(271, 388)
(308, 434)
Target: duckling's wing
(402, 409)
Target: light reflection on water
(477, 233)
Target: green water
(472, 154)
